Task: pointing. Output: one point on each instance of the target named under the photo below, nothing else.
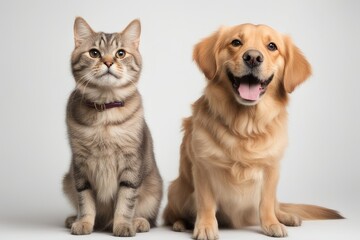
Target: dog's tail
(310, 212)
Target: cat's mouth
(109, 73)
(107, 79)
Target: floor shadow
(34, 221)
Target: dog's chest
(239, 192)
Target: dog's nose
(253, 58)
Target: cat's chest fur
(107, 139)
(106, 142)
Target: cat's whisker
(86, 79)
(128, 78)
(132, 83)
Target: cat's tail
(310, 212)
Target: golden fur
(230, 154)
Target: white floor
(52, 228)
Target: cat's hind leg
(150, 195)
(69, 221)
(141, 225)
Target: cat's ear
(132, 32)
(82, 31)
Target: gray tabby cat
(113, 180)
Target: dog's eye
(236, 43)
(272, 46)
(94, 53)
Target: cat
(113, 181)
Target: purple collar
(104, 106)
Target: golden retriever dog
(237, 134)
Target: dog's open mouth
(249, 87)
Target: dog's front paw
(275, 230)
(206, 231)
(81, 228)
(124, 230)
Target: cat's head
(106, 60)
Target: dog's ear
(205, 55)
(297, 68)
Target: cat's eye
(94, 53)
(236, 43)
(272, 46)
(121, 53)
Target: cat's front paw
(124, 230)
(81, 228)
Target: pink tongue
(249, 92)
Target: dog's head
(252, 60)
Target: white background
(321, 165)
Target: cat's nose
(108, 63)
(108, 60)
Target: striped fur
(113, 180)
